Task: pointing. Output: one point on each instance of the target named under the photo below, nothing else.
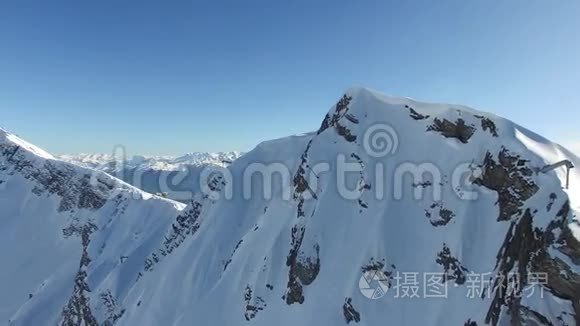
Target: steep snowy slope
(50, 211)
(177, 177)
(390, 200)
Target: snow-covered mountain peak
(360, 93)
(390, 208)
(365, 101)
(314, 248)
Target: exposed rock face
(470, 323)
(303, 271)
(526, 252)
(76, 191)
(527, 316)
(253, 305)
(562, 280)
(553, 198)
(113, 311)
(438, 215)
(566, 243)
(525, 249)
(349, 312)
(458, 129)
(341, 109)
(295, 292)
(375, 265)
(377, 268)
(216, 183)
(488, 125)
(416, 115)
(511, 178)
(452, 268)
(334, 120)
(300, 180)
(233, 253)
(77, 311)
(306, 269)
(521, 243)
(186, 225)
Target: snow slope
(45, 207)
(260, 260)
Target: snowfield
(80, 247)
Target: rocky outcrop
(227, 263)
(377, 269)
(458, 129)
(113, 311)
(303, 270)
(416, 115)
(333, 120)
(488, 125)
(511, 178)
(452, 267)
(253, 305)
(349, 312)
(186, 224)
(553, 198)
(526, 253)
(438, 215)
(77, 311)
(75, 190)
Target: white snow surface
(222, 247)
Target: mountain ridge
(302, 259)
(168, 162)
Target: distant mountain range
(176, 177)
(107, 162)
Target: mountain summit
(393, 212)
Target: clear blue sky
(168, 77)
